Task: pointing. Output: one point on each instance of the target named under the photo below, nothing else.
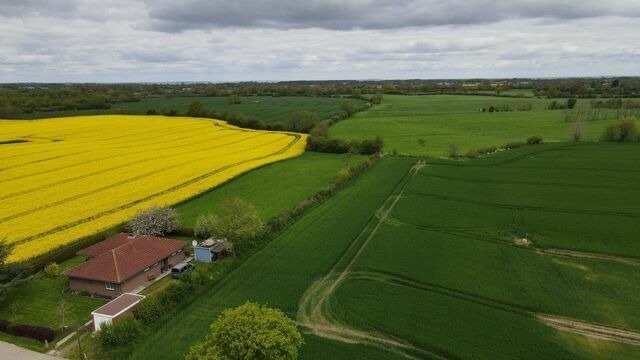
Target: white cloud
(118, 43)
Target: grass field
(270, 109)
(428, 261)
(73, 177)
(441, 120)
(38, 301)
(274, 188)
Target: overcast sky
(234, 40)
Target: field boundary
(314, 310)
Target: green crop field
(281, 273)
(274, 188)
(270, 109)
(428, 125)
(453, 259)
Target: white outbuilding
(115, 309)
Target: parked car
(179, 269)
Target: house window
(174, 254)
(110, 286)
(147, 269)
(180, 250)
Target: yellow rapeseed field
(73, 177)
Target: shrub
(39, 333)
(453, 150)
(4, 325)
(623, 130)
(473, 153)
(52, 270)
(172, 294)
(205, 226)
(513, 144)
(122, 332)
(149, 310)
(155, 221)
(487, 150)
(535, 139)
(577, 130)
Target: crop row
(65, 203)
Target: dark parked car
(180, 269)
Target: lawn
(270, 109)
(37, 301)
(428, 125)
(274, 188)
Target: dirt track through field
(590, 330)
(315, 315)
(314, 310)
(589, 255)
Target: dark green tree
(196, 109)
(250, 331)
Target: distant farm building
(123, 263)
(210, 250)
(115, 309)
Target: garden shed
(115, 309)
(210, 250)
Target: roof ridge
(129, 242)
(115, 263)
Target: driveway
(13, 352)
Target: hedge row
(532, 140)
(39, 333)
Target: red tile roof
(106, 245)
(118, 264)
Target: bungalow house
(122, 263)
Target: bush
(453, 150)
(513, 144)
(205, 225)
(623, 130)
(39, 333)
(4, 325)
(122, 332)
(473, 154)
(535, 139)
(52, 270)
(149, 310)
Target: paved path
(13, 352)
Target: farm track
(459, 232)
(580, 327)
(590, 255)
(591, 330)
(314, 312)
(155, 195)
